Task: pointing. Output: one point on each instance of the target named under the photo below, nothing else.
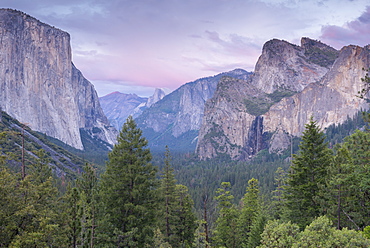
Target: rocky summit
(118, 106)
(175, 120)
(290, 84)
(41, 87)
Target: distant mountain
(118, 106)
(41, 87)
(175, 120)
(290, 84)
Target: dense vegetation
(233, 204)
(320, 198)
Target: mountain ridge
(329, 98)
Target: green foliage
(260, 105)
(256, 230)
(308, 172)
(28, 211)
(12, 132)
(177, 221)
(250, 209)
(279, 234)
(319, 233)
(337, 132)
(322, 57)
(366, 232)
(128, 191)
(257, 106)
(225, 233)
(88, 187)
(366, 81)
(348, 186)
(186, 220)
(279, 94)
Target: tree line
(322, 200)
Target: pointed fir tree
(169, 219)
(249, 211)
(347, 192)
(225, 233)
(178, 221)
(72, 207)
(37, 217)
(256, 230)
(88, 187)
(186, 225)
(129, 191)
(307, 173)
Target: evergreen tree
(38, 223)
(9, 204)
(249, 211)
(72, 207)
(129, 191)
(178, 221)
(277, 198)
(347, 191)
(226, 233)
(87, 186)
(307, 173)
(186, 225)
(169, 219)
(256, 230)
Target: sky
(135, 46)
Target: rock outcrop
(41, 87)
(118, 106)
(291, 84)
(175, 120)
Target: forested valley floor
(320, 198)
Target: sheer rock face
(330, 101)
(286, 66)
(118, 106)
(180, 113)
(39, 84)
(329, 95)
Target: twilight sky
(134, 46)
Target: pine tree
(249, 211)
(129, 191)
(226, 233)
(256, 230)
(88, 187)
(37, 217)
(277, 198)
(186, 225)
(169, 218)
(307, 173)
(347, 192)
(178, 222)
(72, 207)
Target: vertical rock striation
(118, 106)
(39, 84)
(291, 84)
(175, 120)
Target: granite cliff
(41, 87)
(175, 120)
(290, 84)
(118, 106)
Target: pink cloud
(356, 32)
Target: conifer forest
(316, 194)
